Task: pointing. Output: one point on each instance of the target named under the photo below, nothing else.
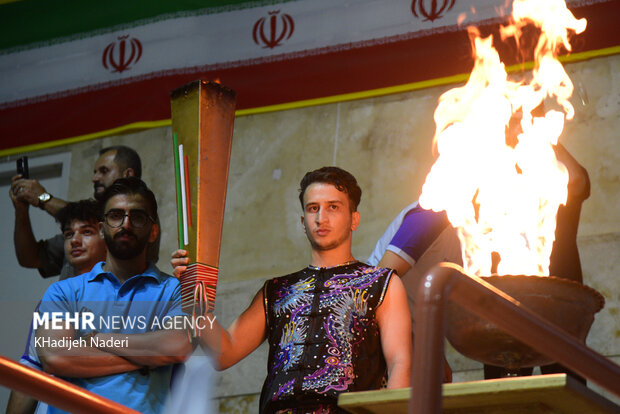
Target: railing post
(447, 282)
(430, 319)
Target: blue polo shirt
(141, 304)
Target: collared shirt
(141, 304)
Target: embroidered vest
(323, 336)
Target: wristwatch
(44, 198)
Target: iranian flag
(72, 68)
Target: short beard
(122, 251)
(327, 247)
(98, 194)
(318, 247)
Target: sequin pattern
(321, 326)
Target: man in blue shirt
(115, 330)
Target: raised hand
(179, 262)
(25, 191)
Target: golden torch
(202, 125)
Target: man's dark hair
(131, 185)
(84, 210)
(125, 158)
(339, 178)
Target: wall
(386, 143)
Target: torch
(202, 126)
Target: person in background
(414, 242)
(335, 326)
(418, 239)
(47, 256)
(564, 261)
(79, 223)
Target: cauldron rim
(554, 279)
(481, 340)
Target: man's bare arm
(24, 193)
(28, 191)
(150, 349)
(395, 330)
(393, 261)
(77, 362)
(54, 205)
(245, 334)
(20, 404)
(23, 238)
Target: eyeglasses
(116, 217)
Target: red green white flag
(71, 68)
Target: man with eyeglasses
(47, 256)
(127, 353)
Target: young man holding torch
(336, 326)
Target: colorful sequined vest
(323, 337)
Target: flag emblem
(118, 56)
(270, 31)
(430, 9)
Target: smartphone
(22, 167)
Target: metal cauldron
(567, 304)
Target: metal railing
(444, 282)
(447, 282)
(55, 391)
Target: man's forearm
(84, 362)
(216, 340)
(393, 261)
(62, 354)
(245, 334)
(399, 375)
(151, 349)
(23, 237)
(21, 404)
(54, 205)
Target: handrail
(55, 391)
(448, 281)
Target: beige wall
(386, 143)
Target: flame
(497, 175)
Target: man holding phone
(22, 167)
(32, 191)
(48, 255)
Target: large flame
(497, 175)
